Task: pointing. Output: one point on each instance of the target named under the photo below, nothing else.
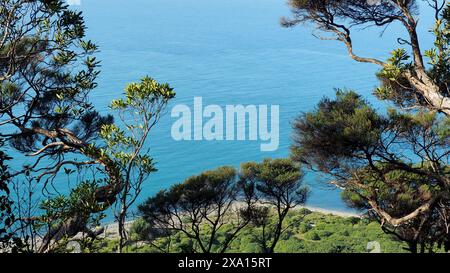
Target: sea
(229, 52)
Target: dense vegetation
(395, 165)
(213, 208)
(48, 70)
(307, 232)
(6, 215)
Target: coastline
(111, 229)
(330, 211)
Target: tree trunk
(429, 90)
(412, 247)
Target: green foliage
(312, 236)
(276, 177)
(396, 87)
(200, 208)
(395, 65)
(140, 230)
(144, 102)
(337, 128)
(9, 241)
(391, 76)
(397, 164)
(326, 234)
(397, 161)
(54, 48)
(276, 182)
(405, 79)
(439, 56)
(47, 70)
(201, 189)
(80, 201)
(6, 214)
(212, 208)
(148, 91)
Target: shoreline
(331, 211)
(111, 229)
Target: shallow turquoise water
(228, 52)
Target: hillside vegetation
(306, 232)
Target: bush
(304, 227)
(316, 233)
(312, 235)
(293, 245)
(324, 233)
(353, 220)
(140, 230)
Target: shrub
(312, 235)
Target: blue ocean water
(228, 52)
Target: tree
(47, 72)
(278, 184)
(9, 241)
(144, 104)
(201, 208)
(395, 165)
(6, 214)
(408, 84)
